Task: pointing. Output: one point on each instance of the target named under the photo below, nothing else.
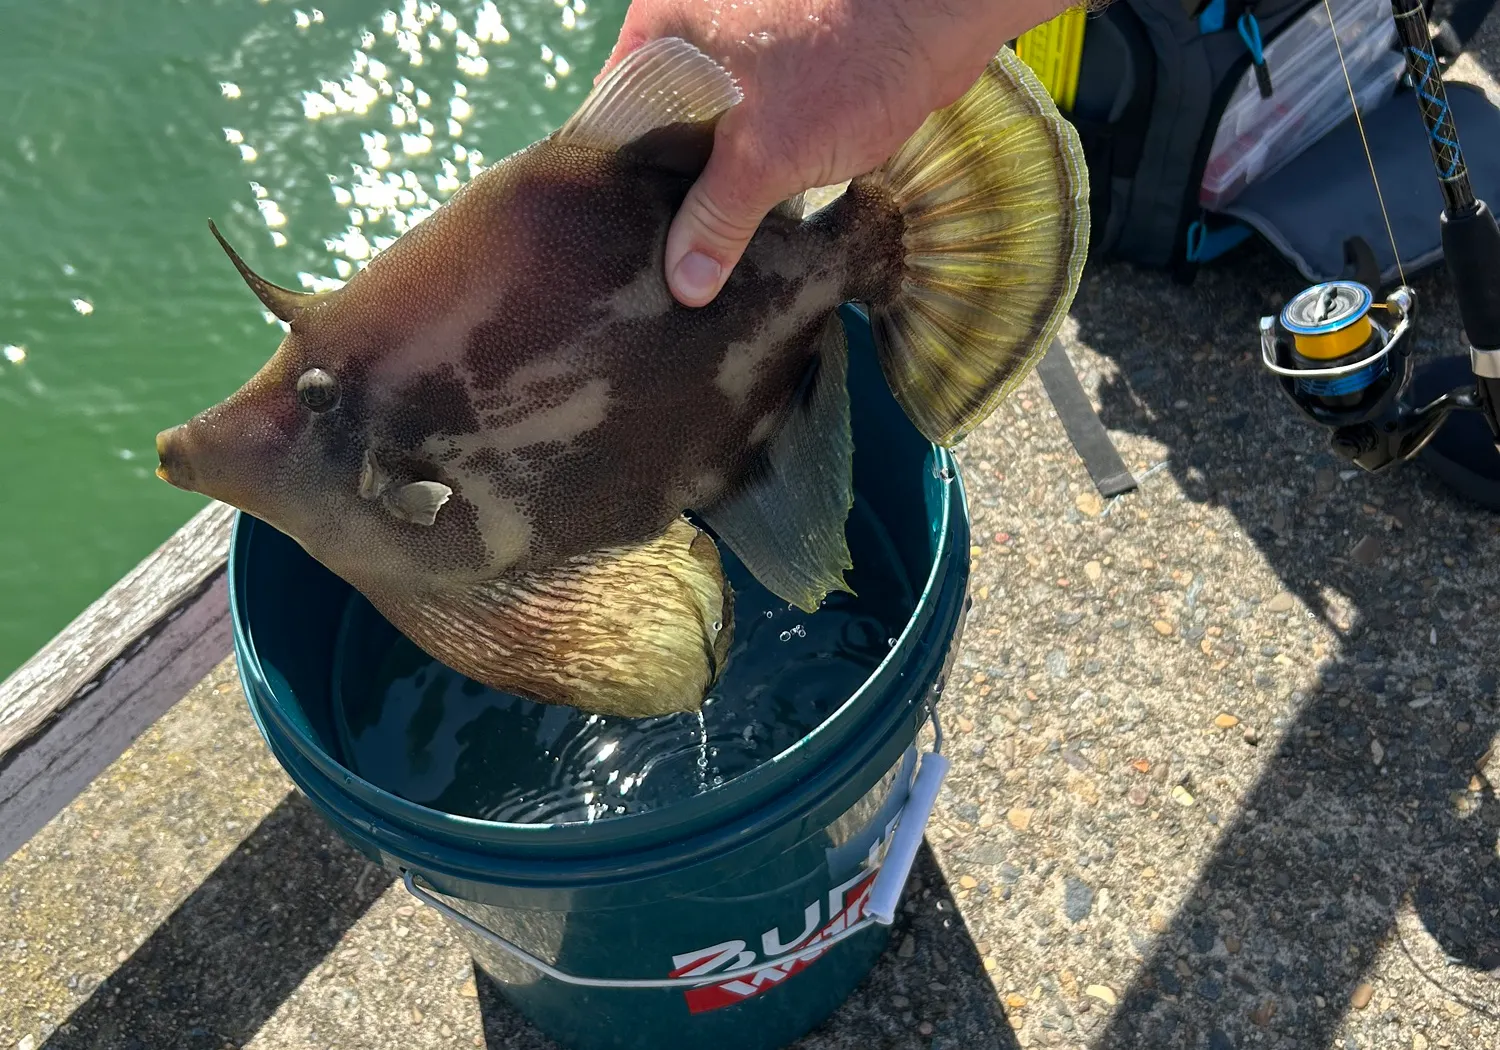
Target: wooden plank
(77, 704)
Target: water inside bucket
(426, 733)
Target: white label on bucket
(845, 906)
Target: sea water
(416, 728)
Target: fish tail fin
(992, 193)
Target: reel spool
(1330, 326)
(1333, 358)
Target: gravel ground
(1222, 768)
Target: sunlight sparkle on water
(83, 306)
(13, 353)
(393, 186)
(488, 27)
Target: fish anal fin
(787, 523)
(665, 82)
(633, 632)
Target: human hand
(831, 89)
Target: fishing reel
(1345, 361)
(1351, 372)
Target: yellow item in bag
(1054, 51)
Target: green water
(312, 135)
(426, 733)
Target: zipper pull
(1249, 28)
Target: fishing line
(1369, 157)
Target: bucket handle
(880, 906)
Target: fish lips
(173, 463)
(217, 455)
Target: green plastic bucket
(739, 917)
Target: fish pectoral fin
(787, 523)
(634, 632)
(417, 502)
(663, 83)
(373, 479)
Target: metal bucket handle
(880, 907)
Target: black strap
(1360, 257)
(1111, 476)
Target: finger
(716, 221)
(631, 37)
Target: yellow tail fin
(993, 192)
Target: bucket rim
(603, 833)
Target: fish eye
(317, 390)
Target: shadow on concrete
(932, 994)
(1304, 889)
(217, 969)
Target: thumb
(716, 221)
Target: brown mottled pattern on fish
(494, 429)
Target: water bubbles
(718, 626)
(890, 643)
(769, 614)
(786, 636)
(943, 472)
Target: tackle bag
(1205, 122)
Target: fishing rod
(1350, 371)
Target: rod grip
(1471, 249)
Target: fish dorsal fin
(417, 502)
(283, 302)
(787, 524)
(662, 83)
(630, 631)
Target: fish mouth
(173, 465)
